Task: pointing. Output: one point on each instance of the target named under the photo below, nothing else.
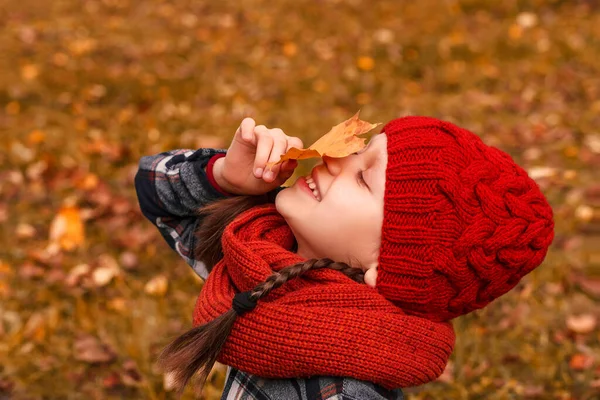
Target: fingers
(290, 165)
(294, 142)
(279, 146)
(246, 129)
(270, 145)
(264, 144)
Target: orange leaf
(67, 228)
(340, 141)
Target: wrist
(214, 173)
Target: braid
(279, 278)
(198, 349)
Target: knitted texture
(462, 222)
(321, 323)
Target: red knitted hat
(462, 222)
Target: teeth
(311, 184)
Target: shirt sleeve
(171, 187)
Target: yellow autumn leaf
(340, 141)
(67, 228)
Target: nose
(334, 165)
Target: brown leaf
(111, 381)
(55, 276)
(25, 231)
(30, 270)
(6, 385)
(581, 362)
(131, 375)
(118, 304)
(91, 350)
(584, 323)
(107, 269)
(533, 392)
(590, 285)
(35, 328)
(76, 273)
(340, 141)
(120, 205)
(157, 286)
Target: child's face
(345, 224)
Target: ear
(371, 276)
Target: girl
(436, 223)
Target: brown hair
(198, 348)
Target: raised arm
(171, 188)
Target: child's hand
(243, 170)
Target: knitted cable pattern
(463, 223)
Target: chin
(282, 201)
(290, 206)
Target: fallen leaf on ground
(117, 304)
(67, 229)
(111, 381)
(340, 141)
(584, 323)
(76, 273)
(580, 362)
(131, 375)
(91, 350)
(107, 269)
(589, 285)
(35, 328)
(157, 286)
(30, 270)
(25, 231)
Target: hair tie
(242, 303)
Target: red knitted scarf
(322, 323)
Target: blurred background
(89, 291)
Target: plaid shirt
(171, 187)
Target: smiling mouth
(313, 187)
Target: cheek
(342, 209)
(346, 222)
(341, 214)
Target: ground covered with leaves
(89, 291)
